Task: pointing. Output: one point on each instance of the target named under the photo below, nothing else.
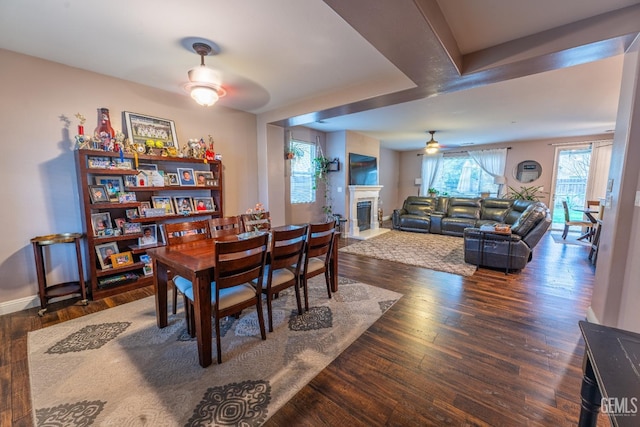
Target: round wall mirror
(527, 171)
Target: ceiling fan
(432, 146)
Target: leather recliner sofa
(461, 216)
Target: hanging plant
(293, 152)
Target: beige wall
(37, 164)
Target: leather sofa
(465, 217)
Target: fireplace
(364, 215)
(363, 221)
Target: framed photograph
(140, 128)
(184, 205)
(132, 213)
(147, 167)
(131, 228)
(98, 194)
(124, 163)
(202, 177)
(126, 197)
(101, 222)
(172, 178)
(163, 202)
(204, 204)
(114, 185)
(185, 176)
(104, 253)
(119, 222)
(122, 259)
(130, 181)
(149, 235)
(143, 207)
(99, 162)
(211, 182)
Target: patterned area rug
(117, 368)
(432, 251)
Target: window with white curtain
(302, 172)
(460, 175)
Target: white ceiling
(279, 54)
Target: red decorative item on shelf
(104, 130)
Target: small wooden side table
(45, 292)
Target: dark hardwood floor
(486, 350)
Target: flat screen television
(363, 170)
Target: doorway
(571, 175)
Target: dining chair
(283, 269)
(256, 221)
(224, 226)
(237, 281)
(183, 232)
(317, 257)
(568, 223)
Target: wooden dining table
(589, 213)
(195, 261)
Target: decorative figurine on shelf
(82, 119)
(209, 154)
(82, 141)
(104, 131)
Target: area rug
(572, 239)
(432, 251)
(117, 368)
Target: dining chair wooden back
(318, 256)
(569, 223)
(283, 269)
(238, 275)
(185, 232)
(256, 221)
(224, 226)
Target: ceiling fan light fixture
(203, 81)
(432, 146)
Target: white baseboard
(19, 304)
(591, 316)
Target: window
(302, 172)
(460, 175)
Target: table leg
(160, 284)
(202, 316)
(333, 265)
(590, 396)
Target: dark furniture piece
(47, 292)
(611, 362)
(464, 216)
(318, 257)
(568, 223)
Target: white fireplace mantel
(362, 193)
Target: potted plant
(432, 192)
(321, 164)
(292, 152)
(525, 193)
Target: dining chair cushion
(228, 296)
(280, 276)
(182, 284)
(315, 264)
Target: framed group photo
(141, 127)
(163, 202)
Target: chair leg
(218, 346)
(260, 316)
(270, 312)
(306, 293)
(565, 232)
(297, 290)
(175, 299)
(326, 279)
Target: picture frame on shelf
(130, 181)
(143, 207)
(141, 127)
(163, 202)
(172, 178)
(204, 204)
(100, 223)
(119, 222)
(147, 167)
(185, 176)
(149, 235)
(131, 228)
(114, 185)
(211, 182)
(99, 194)
(202, 177)
(126, 197)
(104, 253)
(132, 213)
(99, 162)
(124, 163)
(183, 205)
(122, 259)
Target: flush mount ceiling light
(204, 83)
(432, 146)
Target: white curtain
(430, 165)
(493, 162)
(599, 169)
